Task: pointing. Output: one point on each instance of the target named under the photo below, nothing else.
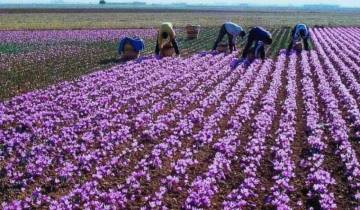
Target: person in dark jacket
(300, 31)
(166, 30)
(261, 37)
(232, 31)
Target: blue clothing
(136, 43)
(259, 46)
(258, 33)
(297, 29)
(295, 34)
(259, 36)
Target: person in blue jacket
(299, 31)
(261, 37)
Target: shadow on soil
(113, 60)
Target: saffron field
(37, 59)
(192, 133)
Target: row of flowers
(102, 171)
(84, 134)
(203, 188)
(184, 128)
(283, 166)
(346, 42)
(41, 121)
(338, 57)
(318, 179)
(79, 126)
(337, 125)
(255, 149)
(181, 166)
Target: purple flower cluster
(236, 62)
(318, 179)
(347, 47)
(81, 136)
(349, 103)
(143, 58)
(168, 146)
(255, 148)
(227, 145)
(338, 127)
(197, 116)
(283, 166)
(71, 107)
(40, 125)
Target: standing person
(165, 31)
(232, 31)
(300, 31)
(261, 38)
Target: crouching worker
(131, 47)
(166, 31)
(232, 31)
(261, 37)
(300, 31)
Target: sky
(346, 3)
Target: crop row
(191, 133)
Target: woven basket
(192, 31)
(167, 50)
(222, 47)
(129, 52)
(298, 47)
(250, 57)
(251, 54)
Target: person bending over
(166, 31)
(232, 31)
(261, 37)
(300, 31)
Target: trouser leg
(221, 35)
(291, 44)
(262, 52)
(157, 48)
(176, 47)
(247, 47)
(231, 46)
(306, 44)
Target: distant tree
(102, 2)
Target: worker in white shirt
(232, 31)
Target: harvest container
(129, 52)
(251, 54)
(222, 47)
(192, 31)
(298, 47)
(167, 50)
